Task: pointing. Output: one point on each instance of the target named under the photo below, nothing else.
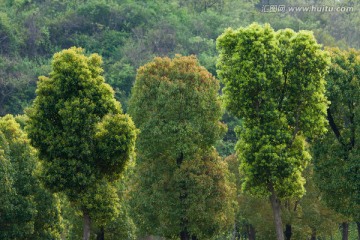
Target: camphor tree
(83, 139)
(181, 186)
(274, 81)
(337, 154)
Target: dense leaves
(264, 85)
(275, 82)
(336, 161)
(27, 210)
(129, 33)
(83, 138)
(182, 187)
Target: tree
(337, 155)
(274, 81)
(181, 187)
(24, 202)
(83, 139)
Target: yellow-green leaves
(24, 203)
(79, 129)
(115, 139)
(275, 82)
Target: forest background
(130, 33)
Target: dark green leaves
(181, 183)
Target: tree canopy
(275, 82)
(336, 155)
(182, 187)
(84, 140)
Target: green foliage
(27, 210)
(121, 76)
(203, 5)
(263, 72)
(123, 227)
(18, 83)
(120, 226)
(306, 215)
(314, 216)
(84, 140)
(133, 32)
(7, 37)
(336, 155)
(7, 192)
(180, 183)
(129, 33)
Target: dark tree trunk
(275, 204)
(313, 234)
(251, 232)
(101, 234)
(185, 235)
(358, 229)
(345, 231)
(288, 232)
(87, 223)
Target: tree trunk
(288, 232)
(87, 222)
(251, 232)
(236, 235)
(313, 234)
(184, 235)
(358, 229)
(345, 231)
(275, 204)
(101, 234)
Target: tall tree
(181, 188)
(337, 154)
(274, 81)
(84, 140)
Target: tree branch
(352, 126)
(334, 127)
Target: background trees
(336, 155)
(275, 82)
(181, 184)
(83, 138)
(126, 33)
